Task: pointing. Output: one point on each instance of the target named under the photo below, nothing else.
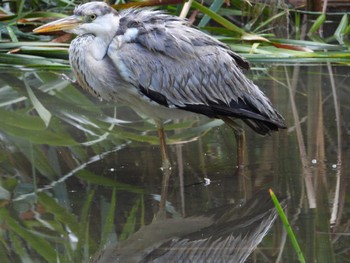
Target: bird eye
(92, 17)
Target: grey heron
(162, 67)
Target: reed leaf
(287, 226)
(44, 114)
(59, 212)
(21, 120)
(130, 225)
(317, 24)
(342, 29)
(30, 61)
(83, 234)
(38, 243)
(108, 224)
(224, 22)
(215, 6)
(105, 181)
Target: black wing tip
(257, 122)
(260, 123)
(265, 127)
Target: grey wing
(190, 70)
(169, 35)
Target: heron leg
(163, 147)
(240, 140)
(166, 171)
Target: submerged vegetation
(51, 132)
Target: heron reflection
(224, 234)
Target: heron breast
(99, 77)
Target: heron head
(96, 18)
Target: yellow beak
(64, 24)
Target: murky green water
(78, 174)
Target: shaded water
(96, 168)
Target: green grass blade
(318, 23)
(4, 255)
(108, 223)
(39, 244)
(12, 34)
(342, 28)
(130, 225)
(18, 247)
(30, 61)
(38, 44)
(224, 22)
(268, 21)
(85, 245)
(342, 25)
(20, 5)
(347, 30)
(44, 114)
(39, 136)
(287, 226)
(60, 213)
(215, 6)
(19, 120)
(105, 181)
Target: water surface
(78, 174)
